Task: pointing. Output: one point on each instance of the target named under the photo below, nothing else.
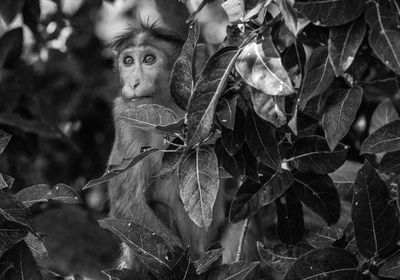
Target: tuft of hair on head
(153, 29)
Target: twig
(242, 238)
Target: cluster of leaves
(270, 108)
(21, 245)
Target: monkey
(144, 58)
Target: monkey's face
(145, 66)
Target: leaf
(384, 35)
(260, 66)
(385, 139)
(391, 267)
(36, 246)
(148, 116)
(340, 113)
(302, 124)
(344, 176)
(270, 108)
(390, 163)
(199, 183)
(312, 154)
(4, 140)
(318, 76)
(330, 12)
(290, 225)
(10, 234)
(31, 15)
(9, 9)
(282, 256)
(233, 140)
(150, 247)
(325, 263)
(4, 267)
(234, 9)
(43, 193)
(325, 236)
(294, 59)
(235, 165)
(209, 87)
(14, 211)
(125, 274)
(318, 193)
(24, 265)
(10, 46)
(251, 163)
(227, 111)
(115, 170)
(376, 224)
(343, 44)
(184, 268)
(181, 83)
(289, 14)
(383, 114)
(208, 260)
(260, 138)
(233, 271)
(6, 181)
(251, 196)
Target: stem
(242, 238)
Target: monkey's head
(144, 57)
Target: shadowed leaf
(384, 35)
(24, 265)
(204, 100)
(282, 256)
(290, 224)
(182, 74)
(10, 46)
(260, 138)
(383, 114)
(247, 203)
(125, 274)
(343, 44)
(14, 211)
(318, 76)
(289, 14)
(312, 154)
(235, 165)
(36, 246)
(325, 263)
(391, 267)
(330, 12)
(233, 271)
(10, 234)
(385, 139)
(199, 183)
(270, 108)
(318, 193)
(390, 163)
(233, 140)
(115, 170)
(260, 66)
(43, 193)
(344, 176)
(9, 9)
(376, 224)
(150, 247)
(339, 114)
(227, 111)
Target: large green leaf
(340, 112)
(199, 183)
(384, 35)
(181, 83)
(208, 89)
(330, 12)
(376, 224)
(343, 44)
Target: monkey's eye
(128, 60)
(149, 59)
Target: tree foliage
(285, 102)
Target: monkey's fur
(139, 193)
